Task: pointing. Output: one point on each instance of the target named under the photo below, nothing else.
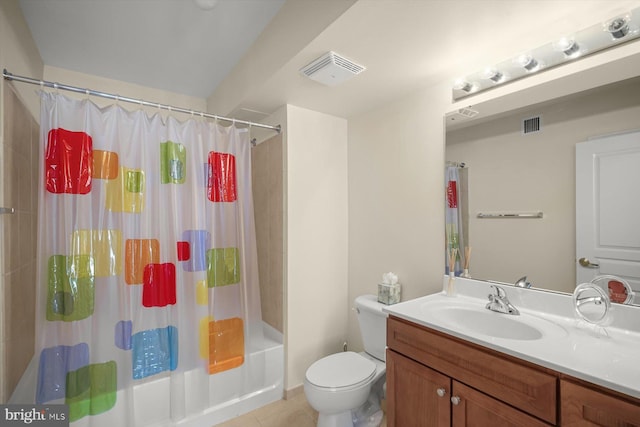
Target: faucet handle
(498, 292)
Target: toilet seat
(344, 371)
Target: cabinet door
(519, 385)
(583, 406)
(473, 408)
(417, 396)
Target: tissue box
(389, 294)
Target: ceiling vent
(531, 125)
(467, 113)
(331, 69)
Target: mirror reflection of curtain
(454, 217)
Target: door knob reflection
(588, 264)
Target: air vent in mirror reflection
(531, 125)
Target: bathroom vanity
(452, 362)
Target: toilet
(341, 382)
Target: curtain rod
(457, 164)
(8, 76)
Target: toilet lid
(341, 370)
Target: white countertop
(608, 356)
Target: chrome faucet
(522, 283)
(499, 302)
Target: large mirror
(511, 168)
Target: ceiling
(166, 44)
(244, 56)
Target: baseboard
(293, 392)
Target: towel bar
(510, 215)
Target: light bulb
(568, 46)
(528, 62)
(618, 28)
(463, 85)
(493, 75)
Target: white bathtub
(257, 382)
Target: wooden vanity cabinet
(585, 406)
(421, 397)
(416, 395)
(481, 388)
(473, 408)
(434, 379)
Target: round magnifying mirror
(591, 303)
(618, 289)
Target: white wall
(19, 54)
(396, 203)
(316, 241)
(130, 90)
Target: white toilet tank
(373, 325)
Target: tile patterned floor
(294, 412)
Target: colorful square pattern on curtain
(223, 266)
(173, 163)
(68, 162)
(222, 177)
(71, 289)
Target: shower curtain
(147, 258)
(454, 236)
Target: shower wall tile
(35, 169)
(24, 231)
(6, 171)
(21, 129)
(19, 179)
(10, 241)
(267, 174)
(22, 164)
(20, 337)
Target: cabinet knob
(441, 392)
(455, 400)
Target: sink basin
(477, 319)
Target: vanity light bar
(613, 32)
